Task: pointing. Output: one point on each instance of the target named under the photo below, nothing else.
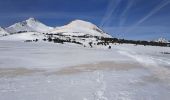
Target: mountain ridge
(76, 27)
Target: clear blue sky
(130, 19)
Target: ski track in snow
(145, 60)
(151, 63)
(163, 60)
(102, 87)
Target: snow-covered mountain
(74, 28)
(79, 28)
(77, 31)
(3, 32)
(29, 25)
(162, 40)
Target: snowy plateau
(76, 68)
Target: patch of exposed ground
(13, 72)
(107, 66)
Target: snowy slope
(80, 27)
(3, 32)
(30, 25)
(23, 36)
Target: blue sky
(130, 19)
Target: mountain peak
(81, 23)
(29, 25)
(31, 19)
(80, 27)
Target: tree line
(136, 42)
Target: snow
(29, 25)
(3, 32)
(80, 27)
(146, 54)
(23, 36)
(52, 71)
(32, 29)
(162, 40)
(74, 28)
(60, 55)
(48, 71)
